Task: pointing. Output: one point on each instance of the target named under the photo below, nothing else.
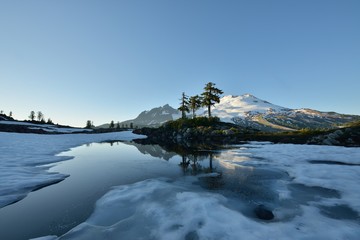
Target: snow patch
(47, 127)
(294, 159)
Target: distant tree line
(39, 117)
(34, 117)
(4, 114)
(208, 98)
(112, 125)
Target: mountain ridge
(249, 111)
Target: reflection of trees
(196, 163)
(193, 159)
(184, 164)
(191, 163)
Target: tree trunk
(209, 112)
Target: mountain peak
(231, 107)
(243, 97)
(248, 95)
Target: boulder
(263, 213)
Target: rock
(327, 142)
(338, 133)
(263, 213)
(178, 137)
(229, 132)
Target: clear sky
(109, 60)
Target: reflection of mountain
(153, 150)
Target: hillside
(152, 118)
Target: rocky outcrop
(342, 137)
(218, 133)
(212, 131)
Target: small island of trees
(208, 98)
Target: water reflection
(153, 150)
(223, 169)
(191, 163)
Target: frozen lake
(123, 190)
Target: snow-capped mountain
(249, 111)
(231, 107)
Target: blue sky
(110, 60)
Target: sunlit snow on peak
(240, 106)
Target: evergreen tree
(131, 125)
(89, 124)
(40, 116)
(32, 115)
(210, 96)
(10, 114)
(194, 104)
(112, 125)
(49, 121)
(117, 125)
(184, 105)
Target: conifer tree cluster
(89, 124)
(208, 98)
(4, 114)
(39, 117)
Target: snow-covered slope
(243, 106)
(250, 111)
